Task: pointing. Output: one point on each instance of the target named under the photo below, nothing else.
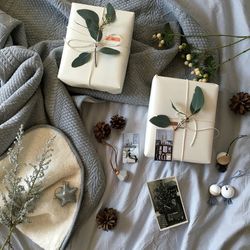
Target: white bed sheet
(137, 228)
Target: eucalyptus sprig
(201, 60)
(96, 32)
(21, 194)
(196, 105)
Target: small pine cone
(240, 103)
(102, 130)
(106, 219)
(117, 122)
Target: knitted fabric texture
(31, 43)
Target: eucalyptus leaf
(109, 51)
(197, 101)
(111, 15)
(81, 59)
(94, 30)
(178, 111)
(89, 15)
(161, 121)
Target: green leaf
(111, 15)
(210, 65)
(89, 15)
(109, 51)
(92, 21)
(94, 30)
(178, 111)
(197, 101)
(161, 121)
(81, 59)
(168, 35)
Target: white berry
(158, 35)
(162, 42)
(188, 57)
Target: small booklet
(167, 202)
(130, 151)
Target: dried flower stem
(21, 199)
(7, 240)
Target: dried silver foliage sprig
(22, 194)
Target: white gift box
(111, 69)
(194, 142)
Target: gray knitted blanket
(31, 42)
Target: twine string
(113, 150)
(186, 119)
(234, 140)
(184, 135)
(237, 174)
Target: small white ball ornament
(227, 192)
(215, 190)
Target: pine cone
(102, 130)
(240, 103)
(118, 122)
(106, 219)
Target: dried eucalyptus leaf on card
(161, 121)
(81, 59)
(197, 101)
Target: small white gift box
(193, 142)
(109, 73)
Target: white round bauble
(227, 191)
(214, 190)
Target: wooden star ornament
(66, 194)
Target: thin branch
(211, 35)
(220, 47)
(230, 59)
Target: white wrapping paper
(111, 69)
(180, 92)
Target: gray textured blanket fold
(31, 40)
